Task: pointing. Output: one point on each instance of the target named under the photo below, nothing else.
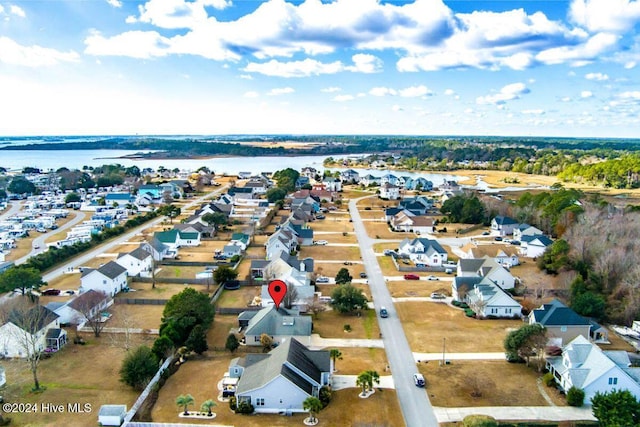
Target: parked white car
(322, 279)
(320, 242)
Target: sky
(422, 67)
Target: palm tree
(313, 405)
(363, 381)
(183, 401)
(335, 354)
(374, 377)
(207, 405)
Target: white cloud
(507, 93)
(586, 94)
(331, 89)
(596, 76)
(364, 63)
(343, 98)
(449, 92)
(382, 91)
(246, 76)
(397, 108)
(251, 94)
(415, 91)
(629, 65)
(33, 56)
(535, 112)
(1, 9)
(616, 16)
(172, 14)
(581, 54)
(17, 11)
(468, 110)
(115, 3)
(565, 99)
(280, 91)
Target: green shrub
(347, 328)
(245, 408)
(548, 379)
(232, 403)
(325, 395)
(575, 396)
(479, 421)
(469, 313)
(456, 303)
(464, 305)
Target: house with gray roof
(563, 324)
(535, 245)
(31, 330)
(280, 381)
(424, 251)
(488, 300)
(585, 366)
(158, 250)
(110, 278)
(486, 267)
(138, 262)
(278, 324)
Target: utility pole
(444, 341)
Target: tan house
(562, 323)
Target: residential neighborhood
(456, 291)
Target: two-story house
(111, 278)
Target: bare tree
(126, 324)
(30, 323)
(90, 305)
(315, 306)
(290, 297)
(478, 384)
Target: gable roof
(558, 314)
(138, 253)
(504, 220)
(33, 319)
(284, 360)
(111, 270)
(279, 321)
(90, 295)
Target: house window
(494, 310)
(260, 402)
(563, 329)
(613, 380)
(507, 310)
(104, 282)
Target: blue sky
(423, 67)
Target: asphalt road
(414, 402)
(14, 208)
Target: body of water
(76, 159)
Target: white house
(111, 278)
(487, 299)
(486, 267)
(137, 262)
(425, 251)
(503, 226)
(585, 366)
(332, 184)
(389, 179)
(534, 246)
(507, 256)
(175, 238)
(280, 381)
(407, 221)
(350, 175)
(389, 191)
(29, 331)
(525, 230)
(369, 179)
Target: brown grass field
(383, 405)
(330, 324)
(135, 316)
(500, 384)
(427, 323)
(351, 253)
(239, 298)
(380, 230)
(387, 266)
(414, 288)
(331, 269)
(77, 374)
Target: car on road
(51, 292)
(333, 208)
(320, 242)
(485, 233)
(384, 313)
(36, 246)
(411, 277)
(437, 295)
(363, 275)
(322, 279)
(498, 239)
(516, 242)
(418, 380)
(389, 252)
(432, 278)
(347, 263)
(320, 217)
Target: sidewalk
(459, 356)
(516, 413)
(318, 342)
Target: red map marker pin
(277, 291)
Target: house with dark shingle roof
(137, 262)
(111, 278)
(277, 323)
(535, 245)
(280, 381)
(503, 225)
(175, 238)
(562, 323)
(31, 330)
(425, 251)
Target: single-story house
(280, 381)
